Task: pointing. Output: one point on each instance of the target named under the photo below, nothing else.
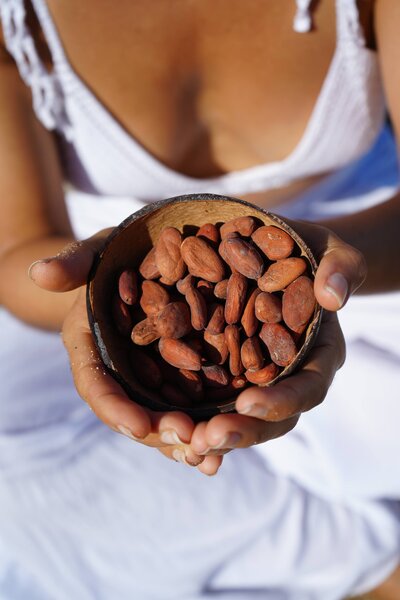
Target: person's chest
(206, 86)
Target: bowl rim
(197, 413)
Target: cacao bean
(173, 321)
(273, 241)
(235, 298)
(281, 273)
(268, 308)
(251, 354)
(202, 260)
(145, 332)
(148, 268)
(279, 342)
(168, 255)
(154, 297)
(179, 354)
(298, 303)
(263, 376)
(243, 257)
(232, 337)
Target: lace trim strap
(47, 94)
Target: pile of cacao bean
(211, 313)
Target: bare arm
(33, 221)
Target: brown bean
(179, 354)
(202, 260)
(145, 368)
(145, 332)
(279, 343)
(239, 382)
(215, 376)
(273, 241)
(220, 289)
(209, 232)
(154, 297)
(235, 298)
(251, 354)
(215, 347)
(182, 285)
(242, 225)
(168, 255)
(121, 316)
(298, 303)
(198, 308)
(232, 337)
(173, 321)
(128, 287)
(216, 323)
(281, 273)
(249, 320)
(268, 308)
(243, 257)
(148, 268)
(263, 376)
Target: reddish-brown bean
(173, 321)
(154, 297)
(232, 337)
(298, 303)
(202, 260)
(281, 273)
(243, 257)
(168, 255)
(251, 354)
(279, 342)
(249, 320)
(273, 241)
(235, 298)
(268, 308)
(263, 376)
(179, 354)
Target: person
(120, 110)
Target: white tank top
(100, 157)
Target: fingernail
(338, 287)
(169, 436)
(43, 261)
(125, 431)
(255, 410)
(229, 441)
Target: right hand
(170, 432)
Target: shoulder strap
(47, 93)
(348, 22)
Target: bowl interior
(126, 247)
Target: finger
(70, 268)
(174, 428)
(303, 390)
(183, 454)
(198, 441)
(341, 271)
(103, 394)
(210, 465)
(228, 431)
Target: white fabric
(87, 514)
(346, 119)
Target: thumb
(70, 268)
(340, 273)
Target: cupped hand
(265, 413)
(170, 432)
